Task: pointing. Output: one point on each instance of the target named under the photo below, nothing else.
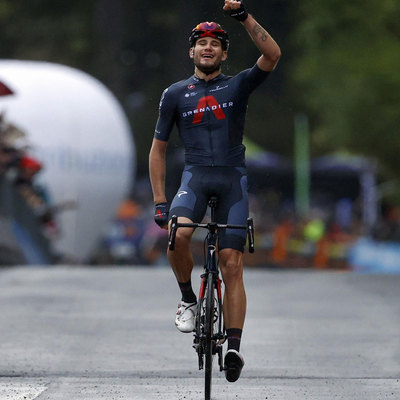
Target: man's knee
(182, 238)
(231, 265)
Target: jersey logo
(205, 104)
(181, 193)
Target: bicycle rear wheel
(209, 333)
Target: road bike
(209, 333)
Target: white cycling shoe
(185, 317)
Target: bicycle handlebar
(211, 227)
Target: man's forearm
(157, 172)
(158, 186)
(265, 43)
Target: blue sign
(369, 256)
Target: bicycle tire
(209, 332)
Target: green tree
(347, 76)
(45, 30)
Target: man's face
(207, 54)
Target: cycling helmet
(211, 29)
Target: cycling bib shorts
(229, 185)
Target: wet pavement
(108, 333)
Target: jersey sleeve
(166, 116)
(252, 78)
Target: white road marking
(12, 391)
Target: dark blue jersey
(210, 116)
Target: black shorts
(229, 185)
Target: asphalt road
(108, 333)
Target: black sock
(234, 337)
(188, 295)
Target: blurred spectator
(388, 228)
(13, 144)
(28, 167)
(125, 234)
(8, 158)
(154, 245)
(314, 230)
(281, 239)
(34, 195)
(22, 169)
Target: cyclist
(209, 109)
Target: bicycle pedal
(221, 341)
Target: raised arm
(270, 51)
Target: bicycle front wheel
(209, 333)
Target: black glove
(161, 214)
(240, 14)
